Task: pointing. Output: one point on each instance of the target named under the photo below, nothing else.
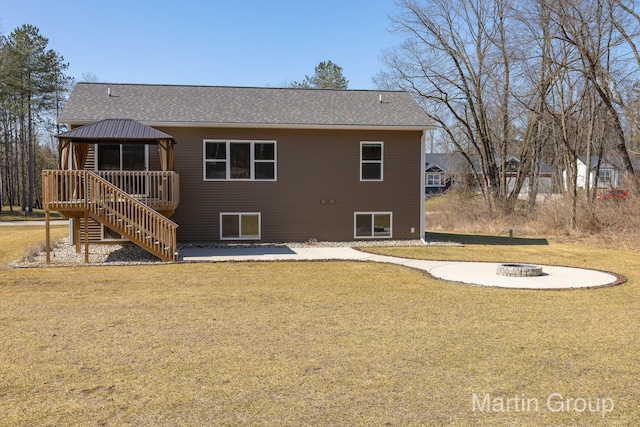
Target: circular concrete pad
(484, 274)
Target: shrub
(33, 251)
(610, 223)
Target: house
(608, 174)
(238, 164)
(546, 176)
(443, 169)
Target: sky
(266, 43)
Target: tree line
(33, 86)
(543, 80)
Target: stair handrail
(139, 222)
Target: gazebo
(134, 203)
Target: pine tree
(32, 79)
(327, 76)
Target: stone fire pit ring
(519, 270)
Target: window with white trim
(239, 160)
(605, 176)
(371, 161)
(435, 180)
(369, 225)
(240, 226)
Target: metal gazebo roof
(115, 130)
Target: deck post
(48, 236)
(76, 233)
(86, 236)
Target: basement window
(108, 235)
(240, 226)
(372, 225)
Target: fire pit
(519, 270)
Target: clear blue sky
(216, 42)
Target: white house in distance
(608, 176)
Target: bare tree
(458, 59)
(540, 79)
(593, 28)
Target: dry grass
(608, 223)
(16, 242)
(18, 215)
(336, 343)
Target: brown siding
(311, 166)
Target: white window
(435, 180)
(605, 176)
(239, 160)
(240, 226)
(371, 159)
(368, 225)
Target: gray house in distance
(239, 164)
(442, 169)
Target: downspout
(423, 149)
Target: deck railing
(63, 190)
(79, 190)
(159, 189)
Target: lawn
(18, 215)
(317, 343)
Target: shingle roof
(115, 129)
(449, 162)
(242, 106)
(456, 163)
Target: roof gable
(173, 105)
(435, 169)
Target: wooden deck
(133, 204)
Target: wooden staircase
(80, 192)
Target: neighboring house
(443, 169)
(242, 164)
(608, 175)
(545, 177)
